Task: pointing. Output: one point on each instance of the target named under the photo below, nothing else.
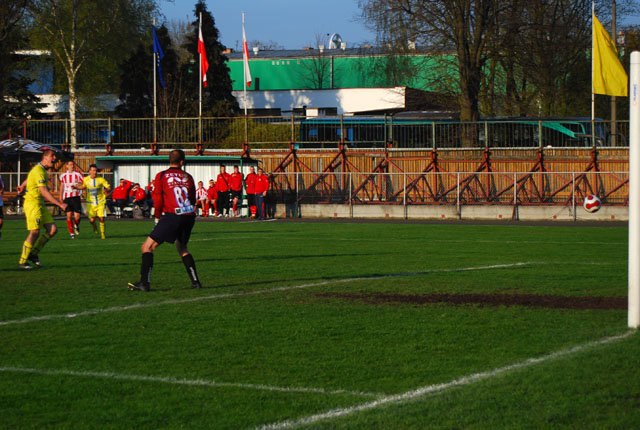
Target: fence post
(297, 213)
(540, 134)
(350, 191)
(515, 189)
(458, 194)
(433, 134)
(404, 195)
(573, 194)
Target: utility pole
(614, 126)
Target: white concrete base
(448, 212)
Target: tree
(16, 101)
(459, 27)
(217, 97)
(87, 39)
(136, 80)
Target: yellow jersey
(95, 189)
(37, 178)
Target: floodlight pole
(634, 191)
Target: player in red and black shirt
(173, 194)
(250, 182)
(222, 184)
(236, 184)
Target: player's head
(200, 184)
(48, 158)
(211, 182)
(69, 166)
(93, 171)
(222, 169)
(260, 171)
(252, 169)
(176, 158)
(235, 169)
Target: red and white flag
(204, 64)
(245, 57)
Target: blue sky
(291, 23)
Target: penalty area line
(180, 381)
(440, 388)
(251, 293)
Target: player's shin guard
(191, 267)
(40, 243)
(145, 267)
(26, 250)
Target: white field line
(179, 381)
(440, 388)
(249, 293)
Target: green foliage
(89, 39)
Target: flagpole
(244, 87)
(593, 96)
(200, 76)
(155, 106)
(244, 74)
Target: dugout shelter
(143, 168)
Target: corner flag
(609, 77)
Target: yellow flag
(609, 77)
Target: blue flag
(158, 54)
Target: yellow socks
(40, 243)
(102, 235)
(26, 250)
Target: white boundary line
(439, 388)
(179, 381)
(249, 293)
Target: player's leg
(76, 223)
(184, 233)
(27, 246)
(147, 248)
(70, 220)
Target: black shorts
(251, 199)
(172, 227)
(73, 204)
(1, 212)
(236, 194)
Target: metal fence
(324, 132)
(459, 188)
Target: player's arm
(156, 195)
(107, 189)
(20, 187)
(51, 198)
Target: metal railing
(458, 188)
(325, 132)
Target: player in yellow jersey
(98, 189)
(36, 212)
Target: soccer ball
(592, 203)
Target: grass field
(322, 325)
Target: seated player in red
(212, 197)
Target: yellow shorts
(37, 216)
(98, 210)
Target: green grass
(262, 320)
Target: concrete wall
(479, 212)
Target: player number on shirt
(182, 199)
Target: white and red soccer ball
(592, 203)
